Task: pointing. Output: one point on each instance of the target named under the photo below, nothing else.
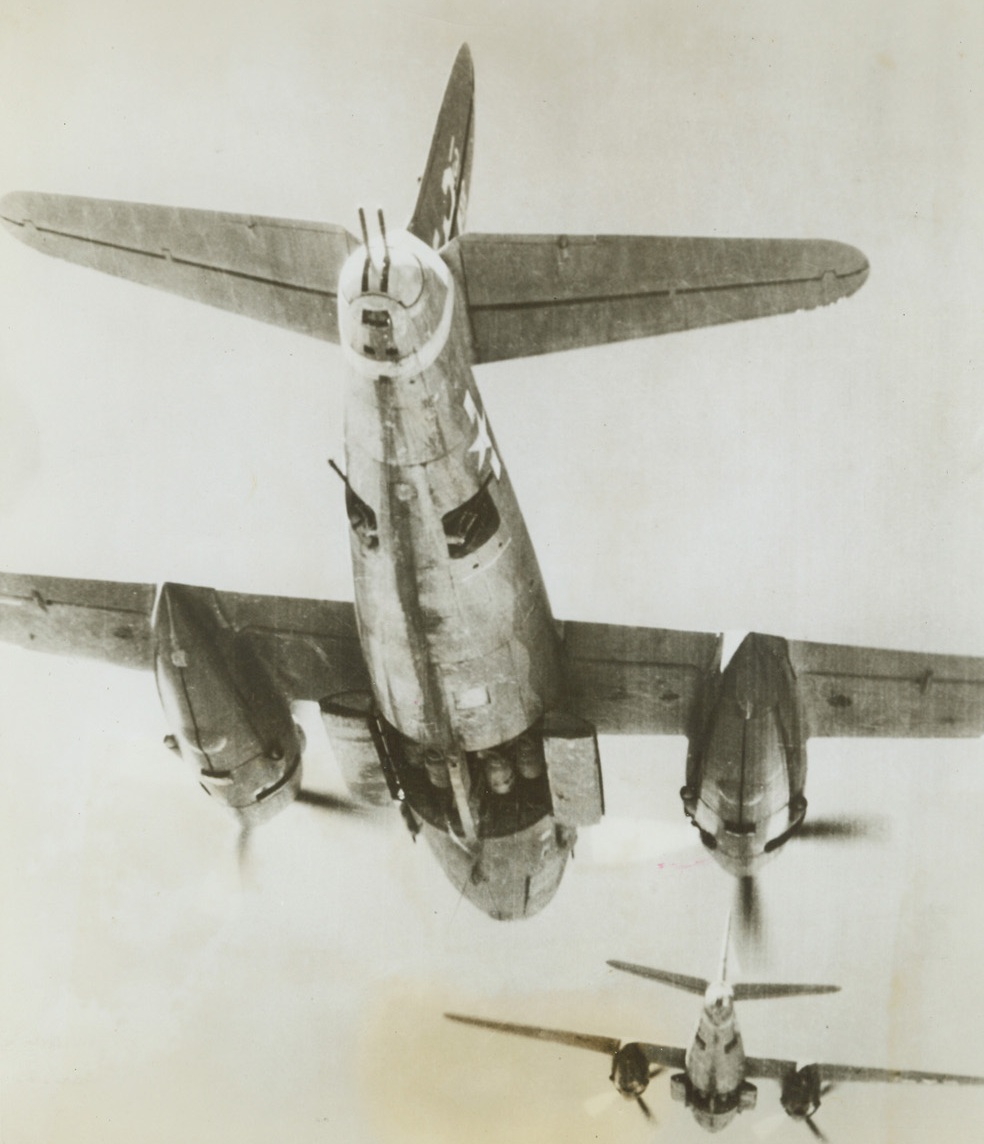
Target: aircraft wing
(598, 1044)
(665, 1055)
(275, 270)
(767, 1068)
(835, 1074)
(96, 619)
(310, 646)
(636, 681)
(855, 691)
(534, 294)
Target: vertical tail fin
(442, 199)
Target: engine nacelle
(630, 1071)
(800, 1095)
(228, 716)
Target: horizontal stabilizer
(534, 294)
(696, 985)
(282, 272)
(762, 991)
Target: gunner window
(361, 518)
(471, 524)
(378, 318)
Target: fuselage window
(361, 518)
(471, 524)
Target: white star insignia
(483, 442)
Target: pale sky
(818, 476)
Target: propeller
(600, 1102)
(646, 1111)
(596, 1105)
(868, 828)
(330, 802)
(815, 1129)
(750, 930)
(767, 1127)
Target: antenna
(365, 240)
(384, 281)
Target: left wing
(310, 646)
(534, 294)
(97, 619)
(857, 691)
(276, 270)
(665, 1055)
(598, 1044)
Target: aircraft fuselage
(455, 627)
(453, 615)
(714, 1085)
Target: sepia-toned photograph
(491, 529)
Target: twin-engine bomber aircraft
(448, 686)
(715, 1083)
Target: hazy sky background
(818, 476)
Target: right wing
(310, 646)
(275, 270)
(875, 692)
(768, 1068)
(835, 1074)
(534, 294)
(636, 681)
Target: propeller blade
(596, 1105)
(330, 802)
(815, 1129)
(244, 852)
(766, 1128)
(870, 828)
(750, 931)
(646, 1111)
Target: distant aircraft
(448, 686)
(715, 1083)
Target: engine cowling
(800, 1095)
(630, 1071)
(229, 718)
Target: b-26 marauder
(448, 686)
(715, 1081)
